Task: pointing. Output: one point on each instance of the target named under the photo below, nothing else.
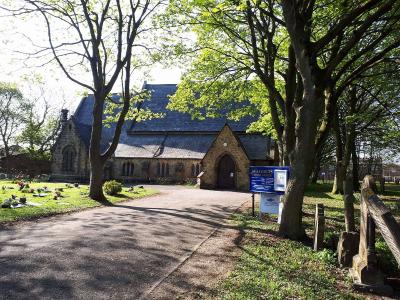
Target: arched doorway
(68, 159)
(226, 172)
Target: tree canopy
(302, 54)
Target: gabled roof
(175, 135)
(172, 120)
(177, 121)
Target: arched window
(197, 169)
(68, 159)
(158, 169)
(193, 171)
(127, 169)
(162, 169)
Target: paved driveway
(118, 252)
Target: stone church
(216, 153)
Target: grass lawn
(274, 268)
(73, 199)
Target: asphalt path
(118, 252)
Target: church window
(195, 170)
(68, 159)
(158, 169)
(162, 169)
(127, 169)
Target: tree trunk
(96, 161)
(340, 172)
(6, 148)
(317, 165)
(96, 180)
(356, 179)
(348, 199)
(291, 218)
(277, 155)
(315, 173)
(339, 178)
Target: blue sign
(269, 179)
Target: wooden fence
(374, 215)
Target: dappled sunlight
(119, 251)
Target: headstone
(347, 248)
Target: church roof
(164, 146)
(175, 135)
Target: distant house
(391, 172)
(174, 148)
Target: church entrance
(226, 173)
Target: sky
(19, 37)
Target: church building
(215, 152)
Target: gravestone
(347, 248)
(319, 228)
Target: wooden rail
(374, 215)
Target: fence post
(252, 205)
(319, 228)
(364, 271)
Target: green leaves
(113, 108)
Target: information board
(269, 179)
(269, 203)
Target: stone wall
(146, 169)
(180, 170)
(69, 137)
(225, 143)
(22, 163)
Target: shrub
(112, 187)
(327, 256)
(6, 203)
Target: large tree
(40, 129)
(103, 39)
(367, 104)
(304, 54)
(13, 109)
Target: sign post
(271, 183)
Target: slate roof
(164, 146)
(175, 135)
(177, 121)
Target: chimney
(64, 117)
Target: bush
(327, 256)
(112, 187)
(6, 203)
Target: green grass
(271, 267)
(274, 268)
(73, 199)
(392, 190)
(334, 219)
